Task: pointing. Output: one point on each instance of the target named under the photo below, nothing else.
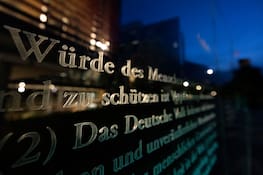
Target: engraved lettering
(25, 158)
(83, 60)
(97, 64)
(106, 133)
(35, 44)
(132, 122)
(4, 140)
(53, 145)
(127, 158)
(165, 97)
(154, 75)
(134, 72)
(133, 97)
(78, 100)
(109, 67)
(71, 99)
(179, 112)
(10, 101)
(86, 98)
(45, 95)
(79, 134)
(72, 57)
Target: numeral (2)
(26, 158)
(4, 140)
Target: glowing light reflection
(198, 87)
(186, 84)
(213, 93)
(43, 17)
(210, 71)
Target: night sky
(217, 32)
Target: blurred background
(220, 35)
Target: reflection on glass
(213, 93)
(210, 71)
(47, 97)
(92, 41)
(186, 84)
(198, 87)
(43, 17)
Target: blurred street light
(21, 87)
(185, 83)
(213, 93)
(43, 17)
(210, 71)
(198, 87)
